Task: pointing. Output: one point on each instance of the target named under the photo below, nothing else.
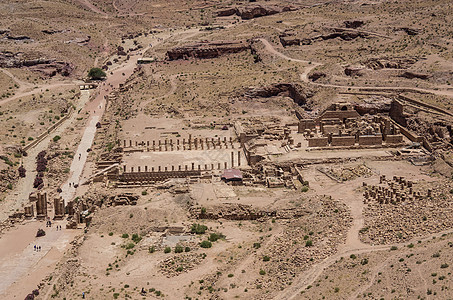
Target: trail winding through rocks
(312, 65)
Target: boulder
(353, 24)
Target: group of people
(37, 248)
(49, 224)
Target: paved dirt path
(21, 267)
(22, 84)
(93, 8)
(96, 109)
(25, 185)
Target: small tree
(96, 74)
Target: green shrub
(353, 256)
(256, 245)
(136, 238)
(364, 261)
(308, 243)
(125, 236)
(144, 193)
(230, 275)
(130, 246)
(198, 228)
(167, 250)
(179, 269)
(110, 233)
(56, 138)
(187, 249)
(213, 237)
(266, 258)
(262, 272)
(205, 244)
(152, 249)
(304, 189)
(179, 249)
(444, 266)
(393, 248)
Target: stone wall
(339, 115)
(394, 138)
(306, 124)
(343, 141)
(396, 112)
(142, 177)
(318, 142)
(370, 140)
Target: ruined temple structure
(260, 137)
(207, 49)
(341, 125)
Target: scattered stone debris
(180, 263)
(399, 209)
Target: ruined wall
(370, 140)
(318, 142)
(305, 124)
(394, 138)
(343, 141)
(140, 177)
(330, 129)
(339, 115)
(396, 112)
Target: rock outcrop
(253, 11)
(47, 67)
(316, 75)
(353, 24)
(390, 63)
(207, 49)
(412, 75)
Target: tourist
(34, 248)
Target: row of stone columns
(186, 167)
(195, 144)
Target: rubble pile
(229, 211)
(350, 173)
(290, 252)
(177, 264)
